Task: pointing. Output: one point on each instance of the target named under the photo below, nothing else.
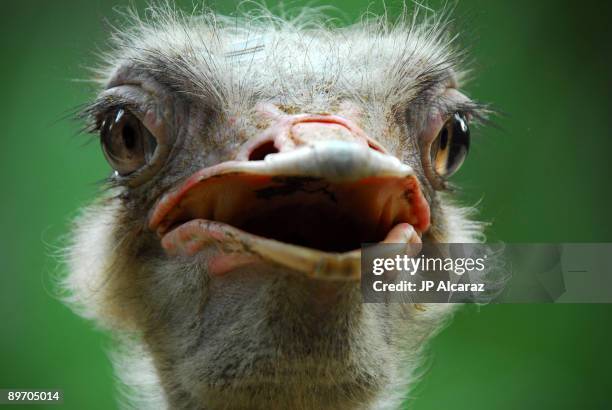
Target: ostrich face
(252, 158)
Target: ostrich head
(251, 157)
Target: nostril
(262, 151)
(376, 147)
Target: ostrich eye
(451, 146)
(127, 144)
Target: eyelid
(131, 97)
(453, 100)
(107, 106)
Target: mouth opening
(321, 226)
(305, 211)
(310, 209)
(317, 214)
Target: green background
(542, 176)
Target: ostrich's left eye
(126, 142)
(451, 146)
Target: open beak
(309, 209)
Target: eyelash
(98, 110)
(474, 112)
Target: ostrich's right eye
(451, 146)
(127, 143)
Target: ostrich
(252, 156)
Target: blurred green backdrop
(543, 176)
